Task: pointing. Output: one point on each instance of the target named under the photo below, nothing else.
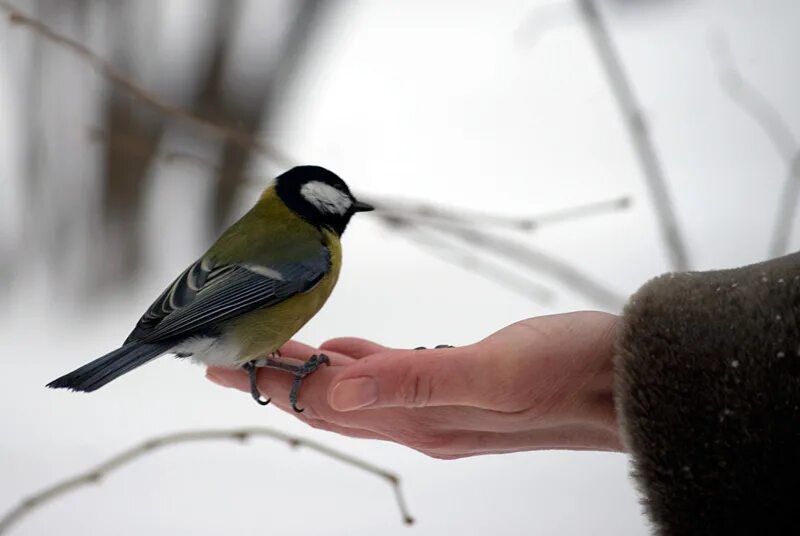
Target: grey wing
(180, 293)
(205, 295)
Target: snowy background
(467, 104)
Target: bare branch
(527, 257)
(120, 79)
(582, 211)
(752, 100)
(755, 103)
(110, 72)
(132, 148)
(782, 230)
(463, 257)
(391, 208)
(639, 133)
(96, 474)
(540, 21)
(423, 212)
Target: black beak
(360, 206)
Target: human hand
(542, 383)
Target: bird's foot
(250, 368)
(298, 371)
(438, 347)
(313, 363)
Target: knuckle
(414, 390)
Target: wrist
(569, 360)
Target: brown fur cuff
(708, 391)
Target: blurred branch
(253, 110)
(132, 147)
(120, 79)
(422, 212)
(390, 208)
(501, 246)
(462, 257)
(541, 20)
(751, 100)
(782, 229)
(94, 475)
(573, 278)
(640, 136)
(527, 257)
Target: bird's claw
(313, 363)
(298, 371)
(250, 367)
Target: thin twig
(787, 208)
(754, 102)
(751, 100)
(542, 19)
(421, 212)
(127, 456)
(464, 257)
(117, 77)
(106, 69)
(582, 211)
(639, 133)
(131, 147)
(529, 258)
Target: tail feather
(114, 364)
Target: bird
(265, 276)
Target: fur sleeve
(708, 395)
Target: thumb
(413, 379)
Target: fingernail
(217, 378)
(354, 393)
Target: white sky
(436, 101)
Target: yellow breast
(263, 331)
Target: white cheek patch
(326, 198)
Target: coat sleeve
(708, 396)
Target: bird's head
(319, 196)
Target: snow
(428, 100)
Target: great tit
(257, 285)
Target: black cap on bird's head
(319, 196)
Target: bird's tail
(114, 364)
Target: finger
(237, 378)
(358, 433)
(395, 424)
(467, 443)
(297, 350)
(353, 346)
(415, 379)
(228, 377)
(430, 431)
